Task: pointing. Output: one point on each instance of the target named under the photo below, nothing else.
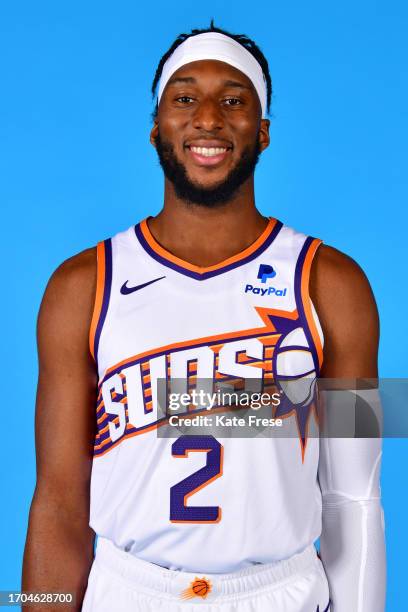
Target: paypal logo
(266, 291)
(265, 271)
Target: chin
(205, 184)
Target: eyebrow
(228, 83)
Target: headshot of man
(131, 513)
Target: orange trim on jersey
(307, 266)
(152, 242)
(100, 287)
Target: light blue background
(76, 166)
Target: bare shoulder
(77, 272)
(67, 304)
(347, 310)
(333, 269)
(338, 280)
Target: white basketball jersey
(215, 503)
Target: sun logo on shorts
(200, 587)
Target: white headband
(215, 46)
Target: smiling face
(208, 131)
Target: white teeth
(208, 152)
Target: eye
(184, 99)
(233, 101)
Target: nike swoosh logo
(125, 290)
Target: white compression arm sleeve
(352, 546)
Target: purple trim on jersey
(299, 303)
(204, 275)
(106, 295)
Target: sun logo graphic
(200, 587)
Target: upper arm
(348, 315)
(66, 384)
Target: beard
(216, 195)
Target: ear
(263, 135)
(154, 132)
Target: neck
(205, 236)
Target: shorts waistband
(152, 578)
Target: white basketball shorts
(120, 582)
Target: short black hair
(242, 39)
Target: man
(208, 289)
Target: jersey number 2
(179, 493)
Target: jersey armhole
(305, 305)
(102, 294)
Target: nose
(208, 116)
